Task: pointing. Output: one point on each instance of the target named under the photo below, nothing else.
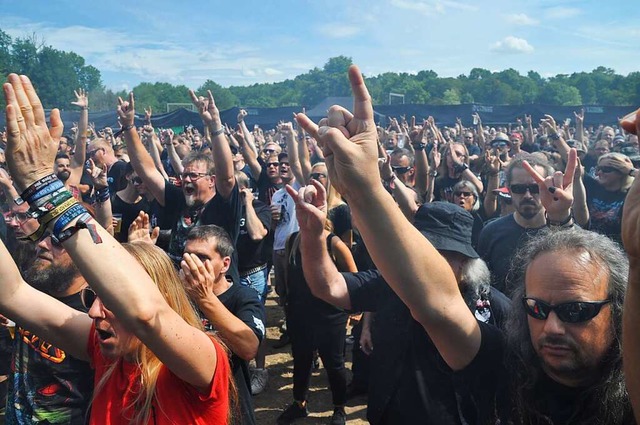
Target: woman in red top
(154, 363)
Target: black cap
(447, 226)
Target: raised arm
(141, 161)
(225, 179)
(292, 149)
(250, 157)
(136, 300)
(631, 311)
(248, 136)
(580, 135)
(80, 153)
(424, 281)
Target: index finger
(23, 101)
(362, 106)
(532, 172)
(570, 170)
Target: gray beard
(50, 279)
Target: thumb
(155, 233)
(292, 192)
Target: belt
(253, 270)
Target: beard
(528, 209)
(63, 175)
(49, 278)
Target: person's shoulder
(499, 223)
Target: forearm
(490, 203)
(631, 336)
(580, 209)
(473, 179)
(303, 156)
(223, 161)
(155, 155)
(10, 191)
(529, 133)
(251, 158)
(256, 230)
(104, 215)
(294, 160)
(248, 137)
(174, 159)
(405, 198)
(321, 273)
(240, 339)
(422, 171)
(81, 139)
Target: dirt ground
(279, 393)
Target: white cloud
(521, 19)
(432, 7)
(512, 44)
(562, 12)
(338, 30)
(272, 71)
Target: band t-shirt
(176, 401)
(46, 384)
(605, 209)
(252, 253)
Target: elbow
(259, 235)
(250, 349)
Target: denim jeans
(258, 282)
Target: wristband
(84, 222)
(52, 202)
(123, 129)
(433, 173)
(36, 186)
(554, 136)
(67, 217)
(47, 192)
(568, 222)
(57, 211)
(217, 132)
(102, 195)
(419, 146)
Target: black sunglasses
(269, 151)
(317, 176)
(607, 170)
(400, 170)
(87, 297)
(498, 144)
(136, 180)
(273, 164)
(570, 312)
(521, 189)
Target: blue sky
(246, 42)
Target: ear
(226, 261)
(212, 180)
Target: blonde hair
(333, 196)
(160, 268)
(627, 180)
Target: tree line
(56, 73)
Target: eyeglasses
(607, 170)
(20, 217)
(463, 194)
(570, 312)
(94, 152)
(87, 297)
(400, 170)
(269, 151)
(498, 144)
(318, 176)
(273, 164)
(193, 176)
(136, 180)
(521, 189)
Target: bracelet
(419, 146)
(433, 173)
(568, 222)
(460, 168)
(50, 203)
(36, 186)
(217, 132)
(123, 129)
(57, 211)
(84, 222)
(46, 193)
(554, 136)
(102, 195)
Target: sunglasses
(317, 176)
(136, 180)
(193, 176)
(498, 144)
(269, 151)
(273, 164)
(87, 297)
(521, 189)
(606, 170)
(570, 312)
(400, 170)
(463, 194)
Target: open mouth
(103, 335)
(189, 190)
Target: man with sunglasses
(265, 171)
(570, 373)
(45, 382)
(500, 239)
(102, 154)
(402, 165)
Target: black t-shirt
(245, 304)
(129, 213)
(266, 188)
(254, 253)
(498, 242)
(340, 217)
(605, 209)
(531, 148)
(414, 384)
(590, 163)
(116, 177)
(225, 213)
(46, 382)
(443, 188)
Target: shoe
(339, 416)
(259, 380)
(293, 412)
(284, 340)
(354, 391)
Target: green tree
(558, 93)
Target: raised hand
(493, 162)
(311, 207)
(139, 230)
(549, 123)
(556, 190)
(579, 116)
(206, 108)
(31, 145)
(98, 175)
(147, 115)
(126, 111)
(82, 100)
(241, 114)
(348, 142)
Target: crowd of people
(483, 266)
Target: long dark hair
(605, 401)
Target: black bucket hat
(447, 226)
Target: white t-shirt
(288, 221)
